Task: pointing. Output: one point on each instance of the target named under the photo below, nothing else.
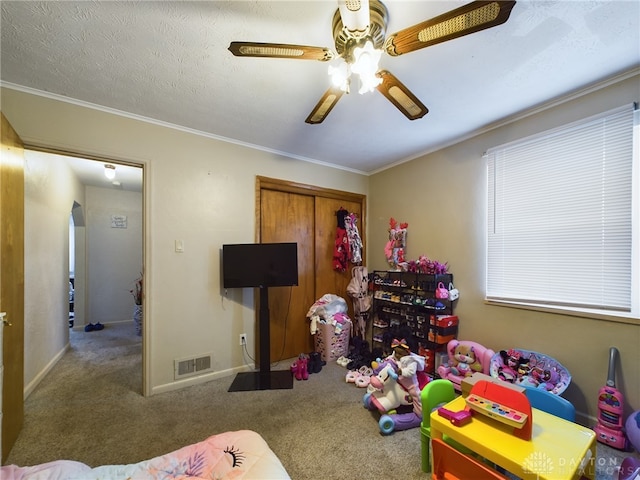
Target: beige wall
(50, 189)
(443, 198)
(197, 189)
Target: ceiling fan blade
(398, 94)
(324, 106)
(280, 50)
(354, 14)
(470, 18)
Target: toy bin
(331, 345)
(431, 352)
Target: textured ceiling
(168, 61)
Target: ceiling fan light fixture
(365, 65)
(355, 16)
(109, 171)
(359, 35)
(368, 83)
(340, 76)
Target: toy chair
(450, 464)
(630, 469)
(632, 426)
(530, 369)
(550, 403)
(465, 358)
(434, 394)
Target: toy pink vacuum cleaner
(610, 409)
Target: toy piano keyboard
(495, 410)
(502, 404)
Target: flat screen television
(252, 265)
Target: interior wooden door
(305, 214)
(12, 282)
(288, 217)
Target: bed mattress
(242, 454)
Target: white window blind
(560, 216)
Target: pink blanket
(232, 455)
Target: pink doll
(394, 249)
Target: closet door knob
(5, 322)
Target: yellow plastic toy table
(558, 449)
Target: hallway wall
(50, 189)
(114, 253)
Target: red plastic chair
(450, 464)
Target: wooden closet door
(329, 280)
(306, 214)
(289, 217)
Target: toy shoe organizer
(414, 302)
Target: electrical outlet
(243, 339)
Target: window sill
(622, 317)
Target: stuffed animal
(511, 361)
(463, 361)
(464, 357)
(545, 379)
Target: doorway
(91, 266)
(72, 264)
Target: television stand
(264, 379)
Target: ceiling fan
(359, 29)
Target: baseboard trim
(197, 380)
(31, 386)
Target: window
(563, 215)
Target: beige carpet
(90, 409)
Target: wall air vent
(188, 367)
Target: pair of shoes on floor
(343, 361)
(355, 362)
(361, 377)
(91, 327)
(299, 368)
(315, 363)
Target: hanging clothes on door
(353, 237)
(341, 247)
(358, 290)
